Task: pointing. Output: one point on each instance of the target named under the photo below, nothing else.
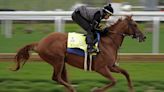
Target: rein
(121, 34)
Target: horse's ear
(130, 16)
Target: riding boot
(89, 41)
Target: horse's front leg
(117, 69)
(106, 73)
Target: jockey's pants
(82, 22)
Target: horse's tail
(23, 55)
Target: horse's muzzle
(142, 38)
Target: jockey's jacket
(92, 15)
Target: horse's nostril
(144, 37)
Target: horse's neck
(116, 37)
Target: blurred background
(26, 21)
(65, 5)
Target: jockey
(89, 19)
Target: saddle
(76, 44)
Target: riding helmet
(108, 9)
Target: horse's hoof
(73, 90)
(131, 90)
(96, 90)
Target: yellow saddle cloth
(77, 40)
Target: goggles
(108, 12)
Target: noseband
(130, 27)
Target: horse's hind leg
(59, 74)
(125, 73)
(64, 74)
(59, 71)
(106, 73)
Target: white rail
(50, 15)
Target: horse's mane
(118, 21)
(111, 27)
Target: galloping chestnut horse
(53, 49)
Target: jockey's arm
(96, 22)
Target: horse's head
(132, 29)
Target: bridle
(135, 32)
(130, 27)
